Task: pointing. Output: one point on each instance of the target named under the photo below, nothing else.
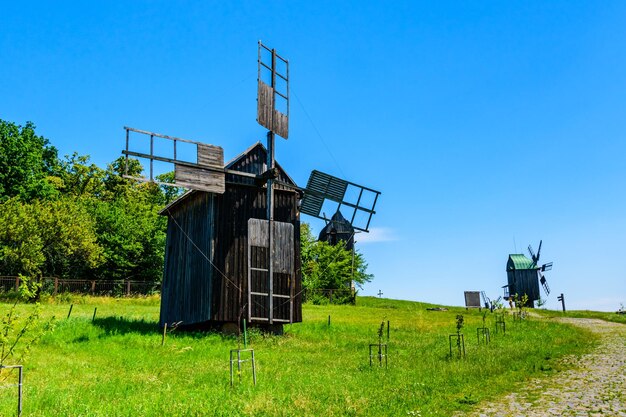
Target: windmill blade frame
(539, 251)
(322, 187)
(544, 283)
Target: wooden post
(270, 221)
(164, 332)
(93, 287)
(270, 193)
(17, 283)
(329, 320)
(245, 335)
(387, 330)
(56, 286)
(127, 288)
(19, 390)
(561, 298)
(70, 312)
(94, 314)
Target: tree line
(66, 217)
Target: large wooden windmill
(524, 276)
(232, 249)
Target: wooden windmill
(524, 276)
(232, 248)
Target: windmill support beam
(188, 164)
(270, 218)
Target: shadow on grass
(116, 325)
(120, 325)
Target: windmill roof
(520, 261)
(339, 224)
(238, 163)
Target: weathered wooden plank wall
(236, 206)
(187, 280)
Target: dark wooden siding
(524, 281)
(187, 280)
(235, 207)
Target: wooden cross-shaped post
(380, 294)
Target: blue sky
(486, 125)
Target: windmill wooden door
(270, 271)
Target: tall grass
(115, 365)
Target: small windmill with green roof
(524, 276)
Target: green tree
(28, 163)
(49, 237)
(132, 236)
(81, 178)
(70, 218)
(114, 182)
(20, 241)
(325, 266)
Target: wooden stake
(164, 332)
(245, 335)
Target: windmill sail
(323, 187)
(544, 283)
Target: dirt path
(595, 387)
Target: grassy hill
(116, 366)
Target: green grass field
(116, 366)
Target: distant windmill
(524, 276)
(242, 219)
(338, 231)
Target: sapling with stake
(483, 331)
(380, 346)
(460, 340)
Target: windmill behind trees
(232, 249)
(524, 276)
(338, 231)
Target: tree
(28, 163)
(80, 178)
(51, 238)
(72, 219)
(20, 240)
(114, 182)
(325, 266)
(132, 236)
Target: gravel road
(596, 386)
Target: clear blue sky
(486, 125)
